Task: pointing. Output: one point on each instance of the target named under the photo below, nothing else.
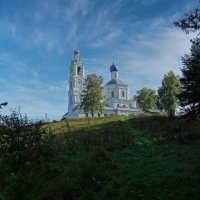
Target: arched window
(112, 94)
(123, 94)
(79, 71)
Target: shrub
(165, 128)
(19, 140)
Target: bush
(23, 144)
(165, 128)
(19, 140)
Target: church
(116, 94)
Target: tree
(20, 140)
(92, 94)
(191, 23)
(168, 92)
(146, 98)
(189, 96)
(190, 90)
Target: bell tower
(76, 81)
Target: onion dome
(113, 68)
(76, 51)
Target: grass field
(113, 158)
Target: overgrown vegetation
(114, 157)
(91, 96)
(167, 93)
(163, 128)
(146, 99)
(189, 96)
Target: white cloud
(108, 39)
(144, 49)
(146, 2)
(45, 98)
(146, 60)
(25, 87)
(13, 29)
(77, 7)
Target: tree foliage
(190, 90)
(19, 140)
(167, 93)
(191, 23)
(146, 98)
(92, 94)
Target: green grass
(114, 158)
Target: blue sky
(37, 39)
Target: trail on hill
(152, 170)
(107, 158)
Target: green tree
(189, 96)
(146, 98)
(92, 99)
(191, 23)
(20, 140)
(168, 92)
(190, 91)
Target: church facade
(116, 94)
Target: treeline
(179, 91)
(165, 98)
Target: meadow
(116, 157)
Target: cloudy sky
(37, 39)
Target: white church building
(116, 94)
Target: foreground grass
(113, 158)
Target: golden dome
(76, 51)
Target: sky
(37, 39)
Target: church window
(77, 99)
(123, 94)
(79, 71)
(112, 94)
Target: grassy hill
(112, 158)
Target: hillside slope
(114, 158)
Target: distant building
(116, 93)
